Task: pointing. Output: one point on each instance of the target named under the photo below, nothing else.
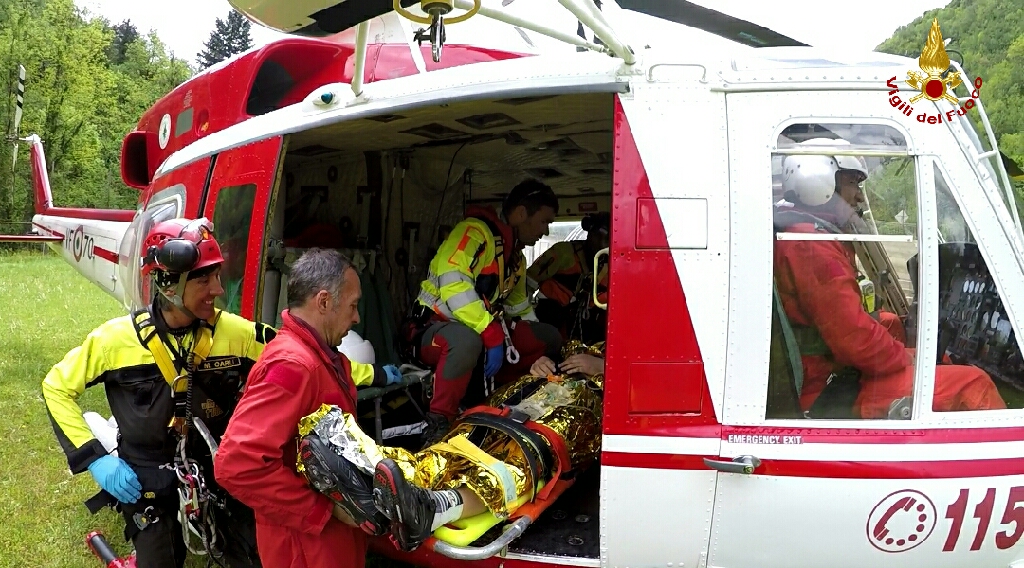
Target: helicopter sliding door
(237, 201)
(844, 428)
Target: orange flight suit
(817, 283)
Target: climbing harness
(195, 500)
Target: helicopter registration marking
(763, 439)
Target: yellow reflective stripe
(463, 299)
(519, 308)
(452, 277)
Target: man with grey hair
(300, 371)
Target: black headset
(176, 255)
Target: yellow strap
(460, 445)
(200, 351)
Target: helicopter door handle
(740, 464)
(596, 273)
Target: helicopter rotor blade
(20, 103)
(712, 21)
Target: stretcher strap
(460, 445)
(501, 416)
(531, 450)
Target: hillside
(988, 40)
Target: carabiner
(511, 354)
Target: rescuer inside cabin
(474, 302)
(564, 277)
(818, 287)
(297, 373)
(499, 457)
(152, 364)
(849, 180)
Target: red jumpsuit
(256, 462)
(817, 283)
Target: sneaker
(410, 508)
(342, 483)
(437, 427)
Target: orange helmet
(179, 246)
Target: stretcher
(455, 539)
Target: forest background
(89, 80)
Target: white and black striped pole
(19, 105)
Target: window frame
(927, 314)
(952, 419)
(222, 237)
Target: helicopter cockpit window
(844, 201)
(977, 345)
(232, 216)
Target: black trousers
(160, 544)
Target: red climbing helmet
(178, 246)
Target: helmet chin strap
(179, 293)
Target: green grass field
(46, 309)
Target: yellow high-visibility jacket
(115, 356)
(477, 271)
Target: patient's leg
(416, 512)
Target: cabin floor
(569, 527)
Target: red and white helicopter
(351, 134)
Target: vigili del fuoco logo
(935, 83)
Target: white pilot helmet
(845, 162)
(812, 178)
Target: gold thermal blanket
(495, 469)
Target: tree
(87, 85)
(227, 38)
(125, 34)
(986, 38)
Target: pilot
(486, 467)
(849, 186)
(137, 358)
(818, 287)
(475, 290)
(563, 275)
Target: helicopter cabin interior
(386, 189)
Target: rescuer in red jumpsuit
(817, 284)
(256, 462)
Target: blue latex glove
(394, 375)
(117, 478)
(493, 359)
